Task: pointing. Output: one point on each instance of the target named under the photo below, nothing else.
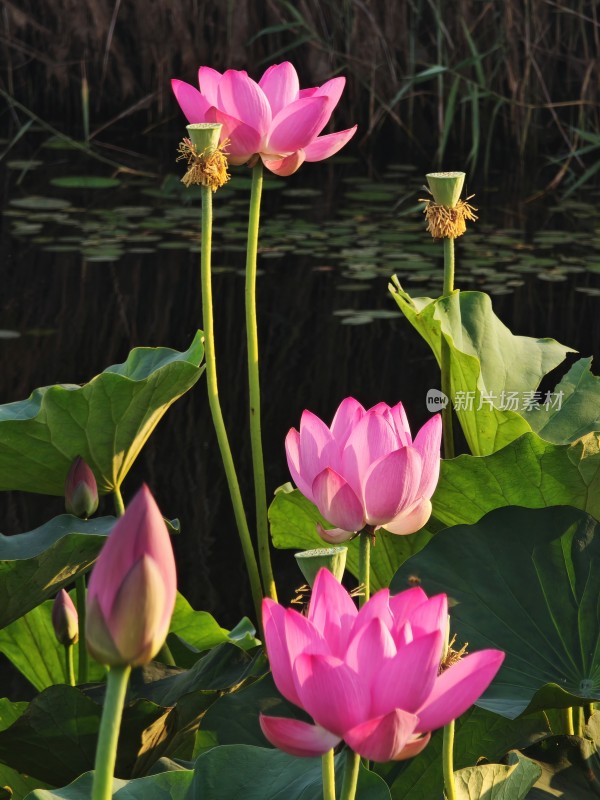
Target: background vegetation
(515, 80)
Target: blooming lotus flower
(65, 620)
(370, 677)
(132, 588)
(273, 119)
(365, 469)
(81, 490)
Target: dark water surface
(88, 273)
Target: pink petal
(368, 653)
(244, 140)
(318, 448)
(332, 90)
(302, 636)
(325, 146)
(292, 452)
(332, 611)
(276, 642)
(308, 92)
(371, 438)
(336, 501)
(413, 748)
(403, 635)
(404, 603)
(334, 535)
(296, 737)
(297, 125)
(407, 680)
(377, 607)
(382, 738)
(330, 692)
(458, 687)
(242, 98)
(410, 520)
(194, 105)
(401, 424)
(390, 485)
(208, 80)
(430, 616)
(428, 442)
(284, 166)
(346, 417)
(281, 86)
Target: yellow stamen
(208, 168)
(448, 223)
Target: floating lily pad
(38, 203)
(106, 421)
(85, 182)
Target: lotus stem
(567, 720)
(82, 675)
(328, 768)
(69, 669)
(118, 501)
(350, 776)
(108, 735)
(448, 761)
(215, 406)
(258, 467)
(364, 564)
(445, 358)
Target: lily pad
(106, 421)
(497, 781)
(525, 581)
(488, 363)
(35, 565)
(85, 182)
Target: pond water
(92, 268)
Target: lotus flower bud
(132, 588)
(81, 491)
(65, 620)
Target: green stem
(108, 735)
(448, 761)
(165, 656)
(82, 675)
(448, 434)
(350, 776)
(118, 501)
(215, 406)
(579, 721)
(69, 664)
(328, 768)
(258, 466)
(364, 564)
(588, 710)
(567, 720)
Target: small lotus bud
(65, 620)
(132, 588)
(81, 491)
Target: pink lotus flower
(273, 119)
(81, 490)
(132, 588)
(65, 620)
(370, 677)
(365, 469)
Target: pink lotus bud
(64, 619)
(132, 588)
(81, 491)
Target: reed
(473, 82)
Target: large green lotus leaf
(479, 734)
(268, 774)
(54, 740)
(572, 410)
(528, 472)
(106, 421)
(164, 786)
(294, 521)
(486, 360)
(497, 781)
(35, 565)
(17, 784)
(525, 581)
(31, 645)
